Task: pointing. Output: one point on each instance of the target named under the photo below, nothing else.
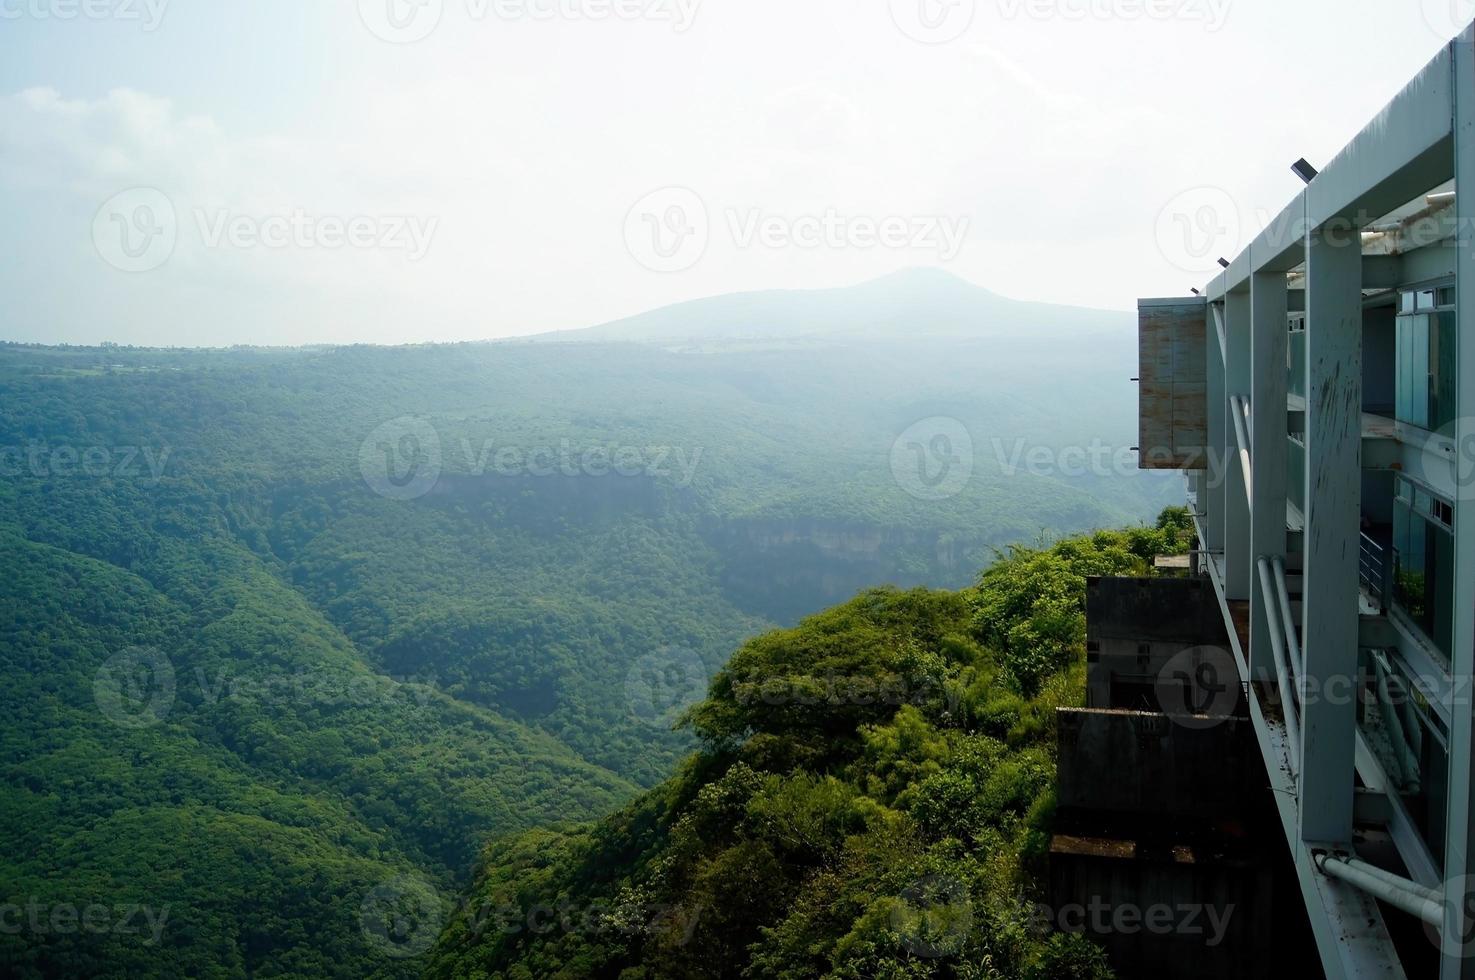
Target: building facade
(1319, 397)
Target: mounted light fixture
(1224, 263)
(1304, 170)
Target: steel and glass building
(1319, 397)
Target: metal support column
(1333, 505)
(1269, 342)
(1211, 499)
(1239, 562)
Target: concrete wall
(1165, 850)
(1161, 917)
(1139, 635)
(1127, 762)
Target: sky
(216, 172)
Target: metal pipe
(1288, 624)
(1288, 708)
(1238, 408)
(1413, 898)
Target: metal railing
(1373, 570)
(1282, 633)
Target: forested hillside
(871, 799)
(283, 626)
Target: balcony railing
(1374, 571)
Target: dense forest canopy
(291, 633)
(872, 799)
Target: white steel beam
(1347, 924)
(1333, 496)
(1269, 339)
(1211, 497)
(1239, 563)
(1404, 152)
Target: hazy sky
(307, 171)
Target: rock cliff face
(778, 568)
(786, 569)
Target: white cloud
(528, 142)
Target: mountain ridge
(919, 302)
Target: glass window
(1426, 369)
(1296, 372)
(1423, 568)
(1409, 742)
(1296, 475)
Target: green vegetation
(871, 799)
(244, 688)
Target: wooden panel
(1172, 430)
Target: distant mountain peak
(913, 302)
